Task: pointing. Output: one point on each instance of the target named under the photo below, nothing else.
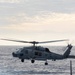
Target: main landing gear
(32, 61)
(22, 60)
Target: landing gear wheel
(32, 61)
(46, 63)
(22, 60)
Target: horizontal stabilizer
(71, 56)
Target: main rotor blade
(53, 41)
(35, 42)
(16, 40)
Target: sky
(37, 20)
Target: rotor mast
(34, 42)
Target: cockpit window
(18, 51)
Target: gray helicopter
(40, 53)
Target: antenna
(70, 67)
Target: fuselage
(37, 53)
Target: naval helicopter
(40, 53)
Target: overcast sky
(39, 20)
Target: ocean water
(13, 66)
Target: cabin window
(38, 53)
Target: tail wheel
(32, 61)
(46, 63)
(22, 60)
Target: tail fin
(66, 54)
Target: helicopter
(40, 53)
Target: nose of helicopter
(14, 54)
